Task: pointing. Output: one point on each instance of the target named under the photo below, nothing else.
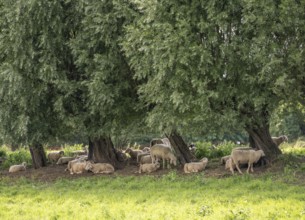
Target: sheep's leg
(252, 168)
(237, 166)
(163, 163)
(249, 166)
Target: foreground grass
(147, 197)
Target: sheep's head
(157, 165)
(262, 153)
(285, 138)
(88, 165)
(24, 164)
(61, 152)
(173, 159)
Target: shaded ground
(53, 172)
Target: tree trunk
(90, 150)
(180, 147)
(260, 138)
(38, 154)
(103, 151)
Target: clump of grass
(15, 157)
(206, 149)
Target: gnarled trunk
(259, 137)
(180, 147)
(38, 154)
(101, 150)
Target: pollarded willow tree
(111, 92)
(37, 73)
(216, 62)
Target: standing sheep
(164, 152)
(245, 156)
(17, 168)
(133, 153)
(54, 156)
(195, 167)
(279, 140)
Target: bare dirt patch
(54, 172)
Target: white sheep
(99, 167)
(279, 140)
(224, 159)
(17, 168)
(76, 166)
(54, 156)
(145, 159)
(64, 160)
(133, 153)
(195, 167)
(140, 155)
(245, 156)
(230, 164)
(149, 167)
(163, 152)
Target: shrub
(17, 157)
(206, 149)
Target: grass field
(149, 197)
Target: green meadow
(171, 196)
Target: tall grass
(147, 197)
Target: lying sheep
(64, 160)
(133, 153)
(149, 167)
(140, 155)
(54, 156)
(245, 156)
(195, 167)
(224, 159)
(145, 159)
(99, 167)
(163, 152)
(75, 166)
(17, 168)
(279, 140)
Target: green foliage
(207, 149)
(17, 157)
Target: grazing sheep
(195, 167)
(133, 153)
(149, 167)
(279, 140)
(245, 156)
(75, 166)
(164, 152)
(17, 168)
(230, 164)
(64, 160)
(224, 159)
(54, 156)
(99, 167)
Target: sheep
(166, 141)
(164, 152)
(54, 156)
(145, 159)
(155, 141)
(140, 155)
(133, 153)
(224, 159)
(146, 149)
(149, 167)
(245, 156)
(279, 140)
(17, 168)
(64, 160)
(99, 167)
(195, 167)
(230, 164)
(75, 166)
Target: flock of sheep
(149, 159)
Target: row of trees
(119, 67)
